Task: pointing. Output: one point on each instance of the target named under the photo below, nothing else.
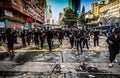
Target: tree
(95, 18)
(83, 11)
(70, 17)
(81, 18)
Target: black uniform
(79, 38)
(114, 46)
(15, 36)
(0, 39)
(85, 39)
(49, 39)
(71, 37)
(60, 36)
(42, 38)
(23, 36)
(36, 37)
(29, 37)
(4, 36)
(96, 37)
(10, 40)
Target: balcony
(5, 5)
(15, 6)
(13, 18)
(20, 10)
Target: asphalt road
(62, 62)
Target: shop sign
(29, 20)
(27, 25)
(8, 13)
(2, 24)
(16, 26)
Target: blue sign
(2, 24)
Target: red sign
(29, 20)
(14, 26)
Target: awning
(115, 20)
(92, 22)
(111, 20)
(103, 20)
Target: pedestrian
(36, 38)
(86, 38)
(4, 35)
(15, 36)
(49, 39)
(0, 39)
(10, 42)
(79, 38)
(96, 34)
(60, 36)
(29, 36)
(42, 38)
(113, 46)
(23, 36)
(71, 38)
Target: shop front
(14, 24)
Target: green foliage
(83, 9)
(95, 18)
(70, 17)
(81, 18)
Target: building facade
(95, 8)
(61, 16)
(108, 11)
(49, 15)
(75, 5)
(111, 11)
(21, 13)
(108, 1)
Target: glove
(70, 36)
(110, 42)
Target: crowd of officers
(77, 38)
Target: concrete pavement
(30, 61)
